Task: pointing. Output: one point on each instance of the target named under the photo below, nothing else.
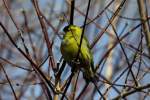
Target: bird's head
(72, 28)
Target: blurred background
(119, 35)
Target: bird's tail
(90, 76)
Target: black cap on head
(66, 28)
(69, 28)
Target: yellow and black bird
(69, 49)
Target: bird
(70, 49)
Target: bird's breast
(69, 48)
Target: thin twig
(115, 44)
(111, 20)
(75, 86)
(44, 29)
(9, 81)
(83, 90)
(35, 67)
(83, 29)
(99, 92)
(72, 11)
(20, 31)
(15, 65)
(127, 60)
(146, 29)
(138, 89)
(67, 85)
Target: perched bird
(69, 49)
